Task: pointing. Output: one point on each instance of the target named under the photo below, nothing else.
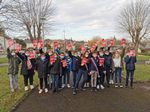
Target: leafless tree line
(134, 19)
(29, 16)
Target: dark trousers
(108, 73)
(102, 76)
(74, 73)
(118, 73)
(55, 81)
(130, 73)
(28, 77)
(81, 73)
(65, 76)
(45, 82)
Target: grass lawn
(8, 99)
(3, 60)
(143, 57)
(142, 72)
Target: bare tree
(134, 19)
(30, 16)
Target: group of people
(94, 69)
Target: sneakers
(102, 87)
(98, 87)
(74, 92)
(116, 86)
(26, 88)
(63, 85)
(46, 90)
(40, 91)
(31, 87)
(12, 90)
(121, 86)
(68, 85)
(111, 82)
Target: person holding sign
(83, 71)
(130, 61)
(42, 69)
(94, 72)
(13, 69)
(56, 72)
(101, 69)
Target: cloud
(79, 17)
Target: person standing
(13, 68)
(130, 60)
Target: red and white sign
(18, 47)
(112, 42)
(55, 44)
(52, 59)
(132, 53)
(41, 43)
(84, 61)
(10, 42)
(35, 43)
(123, 41)
(104, 42)
(101, 61)
(83, 49)
(31, 55)
(64, 63)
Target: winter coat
(108, 61)
(130, 62)
(56, 67)
(92, 66)
(42, 67)
(13, 64)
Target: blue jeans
(118, 72)
(66, 77)
(130, 73)
(55, 81)
(74, 73)
(81, 73)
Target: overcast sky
(83, 19)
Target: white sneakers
(63, 85)
(102, 87)
(45, 90)
(26, 88)
(98, 87)
(68, 85)
(40, 91)
(111, 82)
(31, 87)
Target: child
(75, 65)
(13, 68)
(94, 72)
(27, 69)
(56, 72)
(42, 69)
(108, 66)
(101, 69)
(130, 61)
(118, 65)
(83, 71)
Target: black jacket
(56, 67)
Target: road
(108, 100)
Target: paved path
(108, 100)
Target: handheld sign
(104, 42)
(41, 43)
(84, 61)
(52, 59)
(55, 44)
(123, 41)
(10, 42)
(112, 42)
(18, 47)
(64, 63)
(31, 55)
(101, 61)
(35, 43)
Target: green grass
(3, 60)
(8, 99)
(142, 73)
(143, 58)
